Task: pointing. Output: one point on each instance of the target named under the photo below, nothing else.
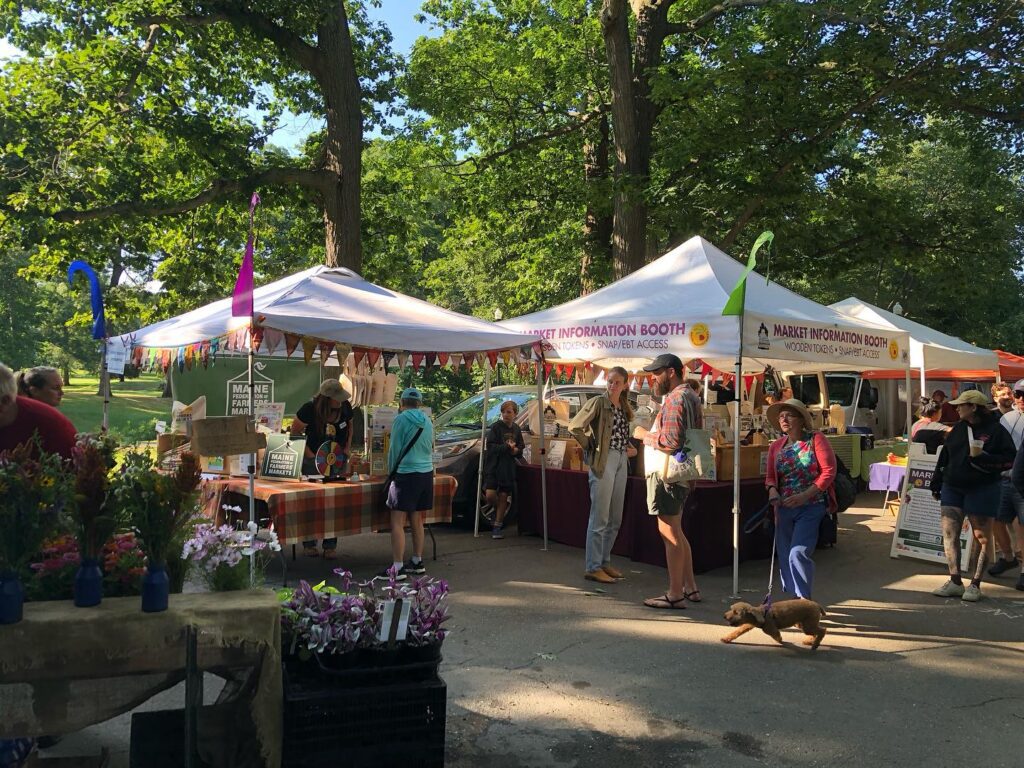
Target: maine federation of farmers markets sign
(225, 384)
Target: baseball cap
(1019, 386)
(665, 361)
(332, 388)
(411, 393)
(971, 396)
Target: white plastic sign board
(117, 356)
(918, 531)
(390, 616)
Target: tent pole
(483, 448)
(736, 472)
(856, 400)
(105, 386)
(543, 458)
(252, 456)
(923, 393)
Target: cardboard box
(753, 462)
(569, 449)
(169, 441)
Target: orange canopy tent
(1011, 368)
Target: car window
(467, 413)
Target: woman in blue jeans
(602, 429)
(799, 476)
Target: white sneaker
(972, 594)
(949, 589)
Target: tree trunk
(598, 224)
(633, 118)
(343, 142)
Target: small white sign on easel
(394, 623)
(117, 356)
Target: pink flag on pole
(241, 299)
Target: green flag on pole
(734, 306)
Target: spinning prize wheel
(330, 460)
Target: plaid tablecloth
(304, 511)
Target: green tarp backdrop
(291, 382)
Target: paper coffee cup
(976, 446)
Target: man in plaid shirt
(680, 410)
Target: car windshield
(466, 414)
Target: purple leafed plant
(323, 619)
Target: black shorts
(411, 492)
(491, 484)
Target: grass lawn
(135, 407)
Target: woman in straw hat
(801, 469)
(328, 416)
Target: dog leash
(767, 603)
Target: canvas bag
(698, 460)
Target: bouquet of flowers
(326, 620)
(33, 488)
(223, 554)
(157, 506)
(91, 514)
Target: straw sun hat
(790, 405)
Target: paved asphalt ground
(544, 671)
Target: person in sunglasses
(1011, 502)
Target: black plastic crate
(363, 726)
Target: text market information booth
(675, 304)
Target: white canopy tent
(930, 350)
(337, 307)
(674, 304)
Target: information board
(918, 531)
(225, 384)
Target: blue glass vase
(88, 586)
(156, 587)
(12, 597)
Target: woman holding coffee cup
(966, 482)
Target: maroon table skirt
(707, 517)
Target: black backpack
(844, 486)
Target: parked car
(457, 433)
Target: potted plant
(33, 486)
(342, 627)
(157, 506)
(90, 512)
(223, 554)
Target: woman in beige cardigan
(602, 429)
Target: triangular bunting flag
(372, 356)
(492, 358)
(204, 353)
(547, 370)
(326, 347)
(506, 356)
(291, 341)
(342, 351)
(257, 339)
(188, 358)
(430, 359)
(468, 358)
(358, 353)
(272, 339)
(308, 348)
(442, 359)
(417, 359)
(214, 349)
(403, 359)
(387, 357)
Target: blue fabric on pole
(99, 320)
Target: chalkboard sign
(283, 457)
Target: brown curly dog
(785, 613)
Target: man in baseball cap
(680, 410)
(1011, 503)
